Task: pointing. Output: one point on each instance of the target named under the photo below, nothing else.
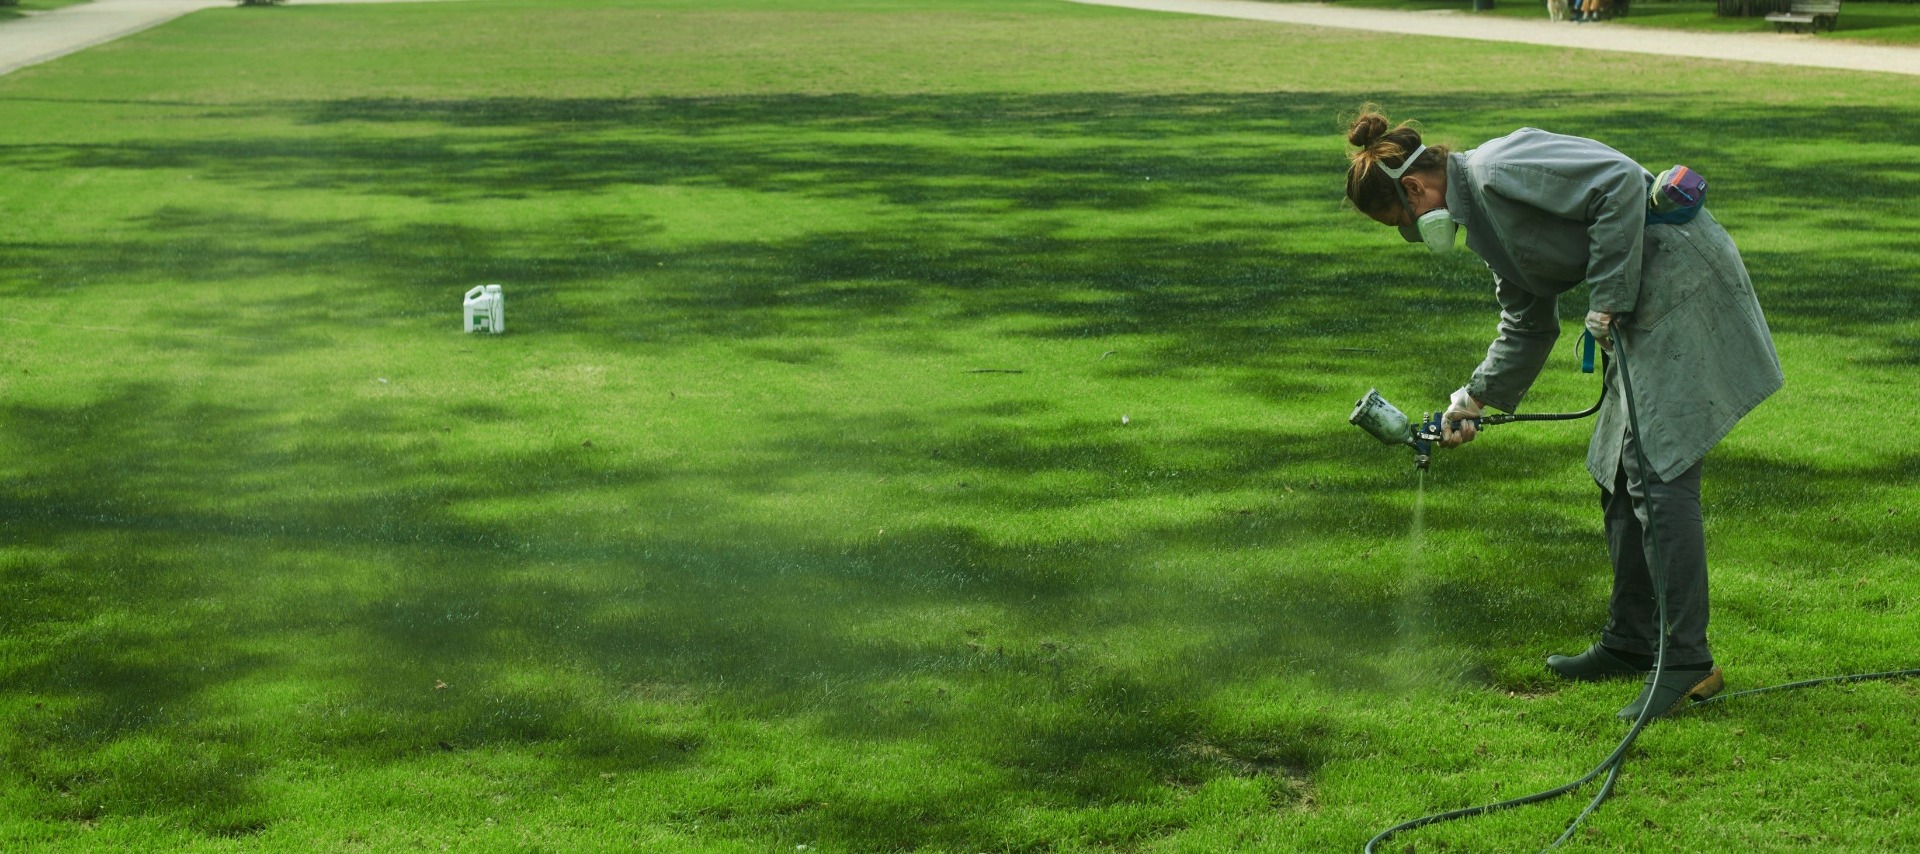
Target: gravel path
(51, 35)
(1778, 49)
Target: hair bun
(1367, 129)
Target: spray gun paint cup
(1381, 419)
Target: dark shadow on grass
(136, 489)
(976, 197)
(755, 617)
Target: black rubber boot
(1593, 665)
(1676, 687)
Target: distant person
(1557, 10)
(1593, 10)
(1547, 212)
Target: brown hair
(1370, 188)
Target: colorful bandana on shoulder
(1676, 197)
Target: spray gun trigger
(1430, 429)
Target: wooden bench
(1812, 14)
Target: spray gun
(1385, 422)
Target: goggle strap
(1404, 164)
(1396, 173)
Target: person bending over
(1547, 212)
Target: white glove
(1464, 409)
(1600, 323)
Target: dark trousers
(1639, 503)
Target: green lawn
(1882, 22)
(922, 427)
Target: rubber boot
(1675, 688)
(1593, 665)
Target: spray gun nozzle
(1423, 440)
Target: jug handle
(477, 290)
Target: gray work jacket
(1547, 212)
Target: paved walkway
(39, 38)
(1779, 49)
(51, 35)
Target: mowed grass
(922, 427)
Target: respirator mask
(1436, 227)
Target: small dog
(1557, 10)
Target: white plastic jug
(485, 309)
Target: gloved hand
(1460, 407)
(1600, 324)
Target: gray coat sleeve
(1607, 193)
(1529, 324)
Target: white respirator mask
(1436, 227)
